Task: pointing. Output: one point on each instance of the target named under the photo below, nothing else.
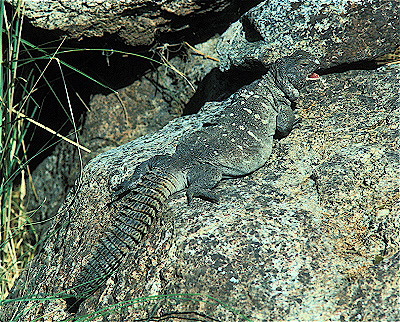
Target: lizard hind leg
(202, 179)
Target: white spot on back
(247, 110)
(252, 135)
(257, 116)
(241, 127)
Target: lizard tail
(137, 211)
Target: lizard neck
(281, 81)
(268, 86)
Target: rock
(152, 101)
(312, 236)
(336, 31)
(148, 105)
(136, 22)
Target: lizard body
(236, 143)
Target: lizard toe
(205, 194)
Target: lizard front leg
(284, 122)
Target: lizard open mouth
(313, 76)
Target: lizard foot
(202, 178)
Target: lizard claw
(201, 193)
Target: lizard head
(292, 72)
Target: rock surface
(337, 31)
(136, 22)
(312, 236)
(161, 95)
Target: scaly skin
(237, 143)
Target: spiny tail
(137, 210)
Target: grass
(148, 305)
(15, 251)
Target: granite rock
(336, 31)
(312, 236)
(135, 22)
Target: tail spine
(137, 212)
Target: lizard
(238, 142)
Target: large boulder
(337, 31)
(313, 235)
(264, 33)
(136, 22)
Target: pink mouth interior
(313, 76)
